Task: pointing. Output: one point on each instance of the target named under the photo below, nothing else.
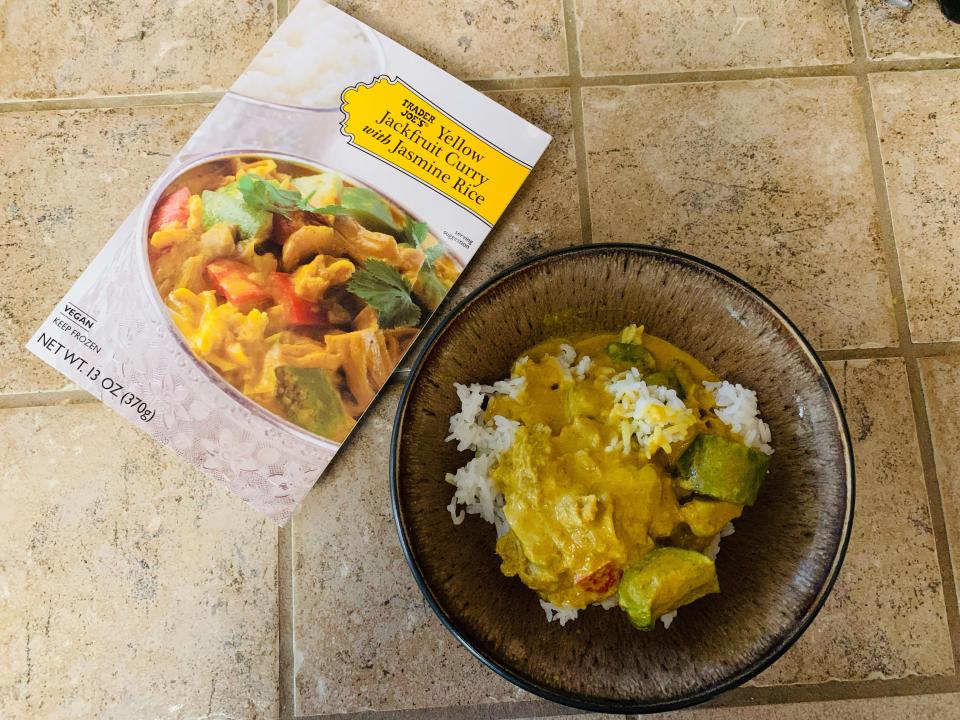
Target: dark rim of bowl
(626, 706)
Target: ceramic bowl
(775, 571)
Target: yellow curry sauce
(580, 514)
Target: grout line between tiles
(909, 350)
(111, 101)
(286, 677)
(871, 66)
(574, 80)
(859, 353)
(858, 37)
(850, 69)
(719, 75)
(920, 350)
(891, 257)
(541, 82)
(45, 398)
(576, 102)
(937, 516)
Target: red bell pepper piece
(232, 280)
(173, 207)
(600, 580)
(296, 310)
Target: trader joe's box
(250, 309)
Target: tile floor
(813, 149)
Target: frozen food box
(251, 308)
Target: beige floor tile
(70, 178)
(941, 388)
(545, 214)
(919, 119)
(474, 39)
(623, 36)
(87, 47)
(928, 707)
(769, 179)
(886, 615)
(364, 637)
(920, 32)
(130, 585)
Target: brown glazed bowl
(775, 572)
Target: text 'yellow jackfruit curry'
(302, 289)
(611, 466)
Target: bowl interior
(774, 572)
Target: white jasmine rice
(581, 368)
(566, 360)
(567, 356)
(713, 549)
(737, 407)
(558, 613)
(474, 488)
(653, 415)
(293, 68)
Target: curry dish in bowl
(587, 527)
(301, 288)
(611, 466)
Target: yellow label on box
(393, 122)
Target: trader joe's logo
(392, 121)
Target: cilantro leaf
(415, 231)
(367, 207)
(383, 287)
(362, 200)
(269, 196)
(433, 253)
(428, 287)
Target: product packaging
(250, 309)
